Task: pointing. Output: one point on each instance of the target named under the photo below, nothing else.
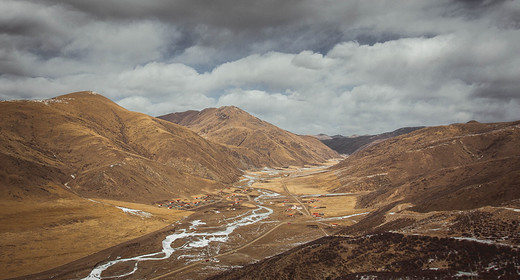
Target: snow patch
(343, 217)
(135, 212)
(375, 175)
(52, 100)
(464, 273)
(512, 209)
(484, 241)
(193, 239)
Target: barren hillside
(63, 159)
(88, 144)
(385, 256)
(460, 166)
(442, 203)
(262, 143)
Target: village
(234, 194)
(235, 197)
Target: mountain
(322, 137)
(261, 143)
(443, 203)
(349, 145)
(385, 256)
(460, 166)
(85, 143)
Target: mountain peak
(81, 94)
(265, 144)
(230, 108)
(226, 112)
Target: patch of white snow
(139, 213)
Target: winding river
(193, 237)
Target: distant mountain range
(350, 144)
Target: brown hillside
(385, 256)
(460, 166)
(442, 203)
(87, 143)
(259, 142)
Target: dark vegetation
(386, 256)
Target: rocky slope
(386, 256)
(258, 142)
(85, 143)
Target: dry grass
(258, 142)
(38, 236)
(337, 206)
(311, 181)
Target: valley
(249, 221)
(90, 190)
(273, 213)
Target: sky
(308, 66)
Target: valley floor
(262, 215)
(268, 212)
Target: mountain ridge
(351, 144)
(262, 143)
(97, 147)
(443, 159)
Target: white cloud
(310, 60)
(345, 67)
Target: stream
(193, 238)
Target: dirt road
(296, 198)
(303, 206)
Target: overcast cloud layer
(331, 66)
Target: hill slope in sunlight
(460, 166)
(441, 202)
(261, 142)
(88, 144)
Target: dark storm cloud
(233, 28)
(504, 89)
(236, 15)
(507, 14)
(479, 5)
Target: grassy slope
(56, 153)
(262, 143)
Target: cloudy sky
(308, 66)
